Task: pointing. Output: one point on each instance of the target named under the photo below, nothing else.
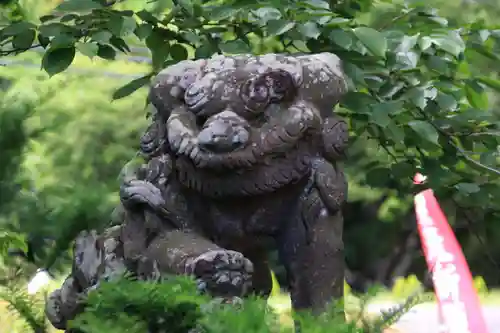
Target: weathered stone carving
(241, 155)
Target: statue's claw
(335, 135)
(222, 273)
(141, 192)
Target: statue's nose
(222, 137)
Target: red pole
(458, 303)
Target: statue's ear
(168, 87)
(154, 99)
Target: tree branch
(17, 51)
(462, 152)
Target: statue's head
(246, 116)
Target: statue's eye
(255, 94)
(259, 93)
(281, 85)
(188, 78)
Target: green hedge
(174, 306)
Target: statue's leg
(178, 249)
(314, 259)
(218, 271)
(262, 282)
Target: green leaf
(147, 16)
(121, 26)
(390, 88)
(44, 41)
(114, 24)
(396, 133)
(187, 5)
(402, 170)
(55, 29)
(316, 4)
(492, 83)
(11, 240)
(378, 177)
(450, 42)
(129, 25)
(178, 52)
(425, 130)
(16, 28)
(266, 14)
(279, 27)
(336, 21)
(204, 51)
(358, 102)
(489, 158)
(407, 44)
(482, 50)
(477, 97)
(192, 38)
(341, 38)
(24, 40)
(446, 101)
(309, 30)
(439, 20)
(425, 42)
(438, 64)
(106, 52)
(373, 40)
(355, 73)
(220, 13)
(159, 48)
(62, 41)
(143, 30)
(380, 115)
(235, 46)
(467, 188)
(69, 17)
(88, 49)
(49, 17)
(102, 36)
(77, 5)
(131, 87)
(55, 61)
(119, 43)
(417, 97)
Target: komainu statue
(241, 156)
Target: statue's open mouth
(226, 155)
(227, 141)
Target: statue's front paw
(222, 273)
(64, 304)
(335, 137)
(141, 192)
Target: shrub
(405, 287)
(174, 306)
(480, 285)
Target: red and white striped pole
(459, 308)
